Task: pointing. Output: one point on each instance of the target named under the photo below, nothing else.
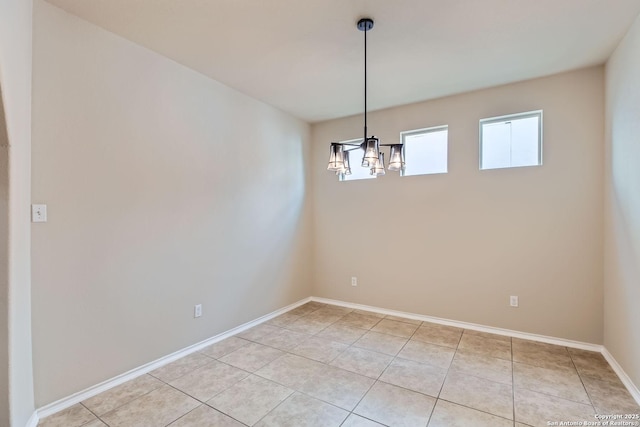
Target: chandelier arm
(352, 149)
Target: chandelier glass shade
(378, 165)
(396, 158)
(339, 159)
(373, 158)
(336, 157)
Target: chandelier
(373, 158)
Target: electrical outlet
(513, 301)
(197, 310)
(354, 281)
(38, 213)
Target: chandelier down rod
(364, 25)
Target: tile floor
(323, 365)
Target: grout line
(229, 415)
(94, 414)
(362, 416)
(277, 406)
(361, 399)
(199, 406)
(180, 376)
(476, 409)
(445, 377)
(581, 381)
(556, 397)
(125, 403)
(202, 402)
(466, 374)
(375, 380)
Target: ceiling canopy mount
(365, 24)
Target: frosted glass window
(511, 141)
(425, 151)
(355, 160)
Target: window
(511, 141)
(425, 151)
(355, 159)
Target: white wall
(4, 267)
(16, 379)
(16, 375)
(622, 205)
(457, 245)
(165, 189)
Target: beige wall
(16, 379)
(165, 189)
(457, 245)
(622, 205)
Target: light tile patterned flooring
(323, 365)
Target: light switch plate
(38, 213)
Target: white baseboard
(33, 420)
(466, 325)
(626, 380)
(66, 402)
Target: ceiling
(306, 56)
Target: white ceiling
(306, 56)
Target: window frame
(506, 118)
(423, 131)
